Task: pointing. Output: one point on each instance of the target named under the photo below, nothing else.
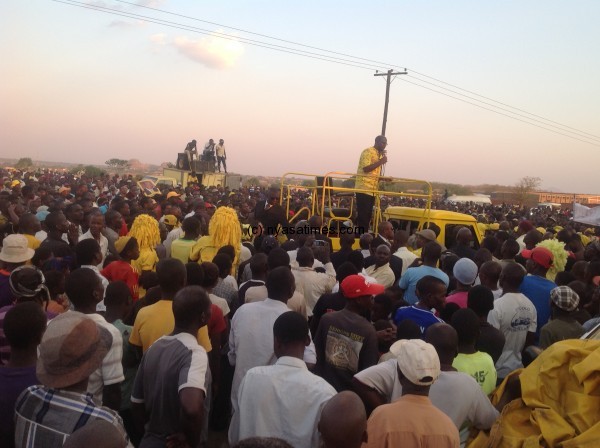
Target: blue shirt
(422, 318)
(408, 281)
(537, 289)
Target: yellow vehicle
(335, 203)
(413, 219)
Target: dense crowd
(136, 317)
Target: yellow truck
(328, 193)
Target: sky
(83, 86)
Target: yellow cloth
(368, 181)
(32, 241)
(157, 320)
(146, 261)
(560, 405)
(203, 250)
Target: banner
(586, 215)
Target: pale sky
(84, 86)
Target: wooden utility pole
(389, 75)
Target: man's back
(411, 421)
(346, 343)
(45, 417)
(251, 338)
(182, 249)
(289, 398)
(537, 289)
(171, 364)
(409, 280)
(514, 315)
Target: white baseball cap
(418, 361)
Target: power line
(352, 62)
(499, 102)
(499, 113)
(386, 64)
(506, 110)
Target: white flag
(586, 215)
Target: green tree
(117, 163)
(24, 163)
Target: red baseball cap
(355, 286)
(540, 255)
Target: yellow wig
(225, 230)
(145, 230)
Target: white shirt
(111, 371)
(314, 284)
(514, 315)
(100, 306)
(251, 340)
(103, 243)
(283, 400)
(456, 394)
(220, 302)
(406, 256)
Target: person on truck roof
(367, 178)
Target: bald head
(343, 422)
(29, 224)
(401, 238)
(464, 236)
(445, 340)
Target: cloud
(159, 39)
(210, 51)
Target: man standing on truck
(367, 178)
(221, 155)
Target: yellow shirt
(480, 366)
(156, 321)
(203, 250)
(32, 241)
(146, 261)
(368, 181)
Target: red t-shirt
(123, 271)
(217, 323)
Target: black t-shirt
(327, 303)
(491, 341)
(346, 343)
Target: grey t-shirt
(171, 364)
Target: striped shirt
(171, 364)
(111, 371)
(45, 417)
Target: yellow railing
(323, 195)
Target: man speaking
(367, 178)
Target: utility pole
(389, 75)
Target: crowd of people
(136, 320)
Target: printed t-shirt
(157, 320)
(346, 343)
(422, 318)
(514, 315)
(480, 366)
